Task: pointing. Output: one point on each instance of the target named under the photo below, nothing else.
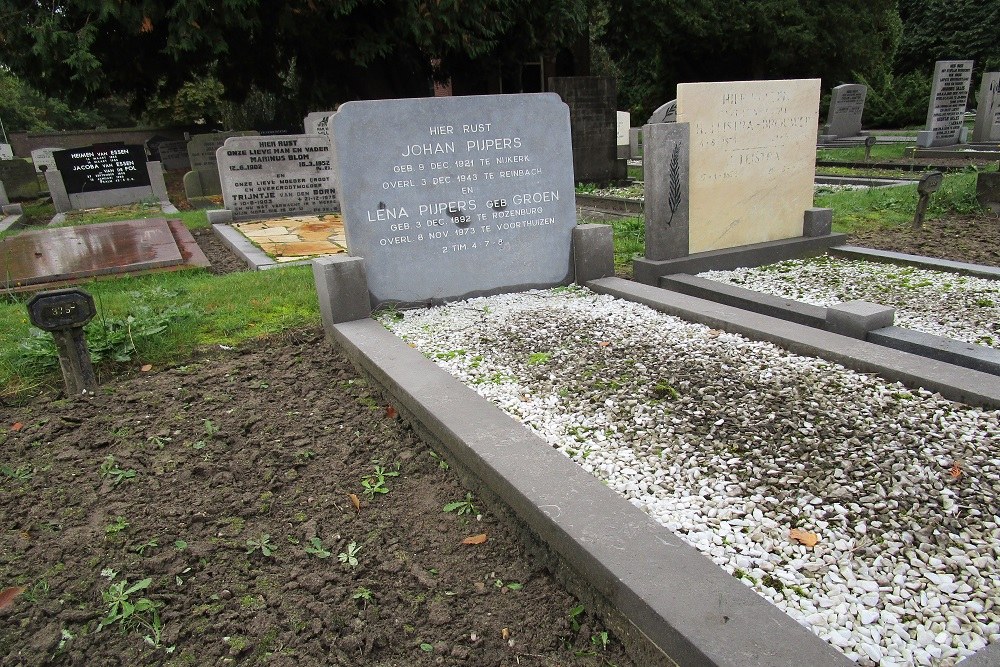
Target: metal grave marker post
(63, 313)
(869, 142)
(927, 185)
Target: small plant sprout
(462, 506)
(350, 557)
(315, 548)
(148, 544)
(261, 544)
(442, 464)
(110, 470)
(20, 473)
(375, 483)
(364, 594)
(600, 640)
(131, 612)
(117, 526)
(210, 428)
(538, 358)
(574, 617)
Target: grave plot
(296, 238)
(863, 509)
(964, 308)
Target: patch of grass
(892, 151)
(629, 240)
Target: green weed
(315, 548)
(350, 556)
(375, 483)
(110, 470)
(261, 544)
(131, 613)
(461, 507)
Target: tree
(333, 49)
(24, 109)
(954, 30)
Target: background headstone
(277, 175)
(753, 159)
(847, 104)
(105, 175)
(153, 147)
(593, 102)
(6, 152)
(43, 157)
(666, 176)
(946, 110)
(4, 200)
(665, 113)
(203, 179)
(19, 179)
(624, 125)
(174, 155)
(317, 122)
(465, 196)
(987, 126)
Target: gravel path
(935, 302)
(731, 443)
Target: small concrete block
(817, 222)
(342, 288)
(925, 138)
(857, 318)
(13, 209)
(593, 252)
(988, 190)
(219, 216)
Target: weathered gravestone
(946, 110)
(317, 122)
(987, 127)
(153, 147)
(666, 178)
(593, 102)
(42, 157)
(105, 175)
(753, 159)
(277, 175)
(453, 197)
(624, 125)
(6, 152)
(19, 179)
(847, 104)
(174, 155)
(665, 113)
(203, 179)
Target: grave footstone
(317, 122)
(946, 110)
(665, 113)
(19, 179)
(104, 175)
(927, 186)
(42, 157)
(753, 159)
(277, 175)
(593, 102)
(63, 313)
(203, 179)
(464, 196)
(666, 175)
(847, 105)
(987, 127)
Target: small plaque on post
(64, 313)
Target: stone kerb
(203, 179)
(277, 175)
(450, 198)
(946, 109)
(847, 105)
(987, 127)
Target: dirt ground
(968, 238)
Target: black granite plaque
(94, 168)
(57, 310)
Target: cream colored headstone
(753, 159)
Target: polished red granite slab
(72, 253)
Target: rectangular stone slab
(67, 253)
(450, 198)
(753, 159)
(949, 95)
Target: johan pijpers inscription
(446, 198)
(95, 168)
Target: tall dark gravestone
(946, 110)
(454, 197)
(593, 109)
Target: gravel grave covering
(961, 307)
(732, 443)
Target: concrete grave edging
(678, 606)
(933, 263)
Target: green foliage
(261, 544)
(896, 101)
(460, 507)
(375, 483)
(24, 109)
(316, 548)
(350, 556)
(110, 470)
(131, 613)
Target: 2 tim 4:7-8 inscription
(465, 159)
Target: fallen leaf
(956, 470)
(390, 412)
(7, 595)
(146, 368)
(604, 343)
(355, 500)
(475, 539)
(17, 426)
(25, 535)
(505, 633)
(804, 537)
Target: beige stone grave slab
(294, 238)
(753, 159)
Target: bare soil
(967, 238)
(204, 463)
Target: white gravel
(731, 443)
(935, 302)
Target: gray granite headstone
(277, 175)
(946, 110)
(666, 158)
(624, 125)
(203, 179)
(847, 104)
(593, 102)
(174, 155)
(987, 128)
(19, 178)
(453, 197)
(317, 122)
(665, 113)
(43, 157)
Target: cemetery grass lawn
(218, 492)
(879, 153)
(40, 212)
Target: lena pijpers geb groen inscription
(449, 198)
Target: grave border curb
(921, 261)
